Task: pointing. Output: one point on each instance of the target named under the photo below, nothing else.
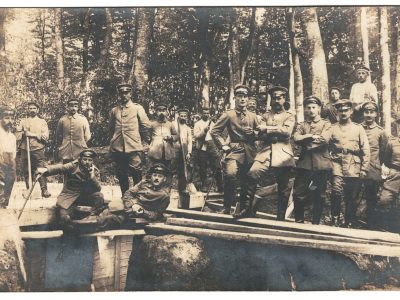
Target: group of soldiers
(340, 143)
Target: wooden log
(41, 234)
(281, 225)
(119, 232)
(268, 231)
(379, 250)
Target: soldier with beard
(239, 148)
(163, 134)
(275, 152)
(8, 146)
(36, 130)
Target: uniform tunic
(330, 112)
(363, 92)
(73, 132)
(160, 149)
(8, 146)
(77, 182)
(36, 126)
(126, 123)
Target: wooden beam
(25, 235)
(282, 225)
(380, 250)
(119, 232)
(269, 231)
(41, 216)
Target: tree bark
(59, 49)
(316, 55)
(385, 63)
(105, 50)
(139, 75)
(397, 80)
(364, 35)
(297, 81)
(85, 49)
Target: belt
(347, 151)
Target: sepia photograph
(199, 148)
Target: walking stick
(28, 153)
(28, 196)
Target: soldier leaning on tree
(36, 130)
(128, 121)
(8, 148)
(378, 140)
(239, 148)
(275, 152)
(72, 134)
(314, 164)
(350, 154)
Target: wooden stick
(28, 153)
(380, 250)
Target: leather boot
(229, 197)
(246, 201)
(43, 187)
(282, 206)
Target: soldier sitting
(81, 187)
(150, 197)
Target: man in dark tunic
(150, 197)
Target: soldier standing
(275, 152)
(378, 140)
(239, 148)
(72, 134)
(314, 164)
(350, 154)
(8, 147)
(36, 130)
(207, 152)
(183, 152)
(362, 91)
(127, 121)
(328, 110)
(163, 134)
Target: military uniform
(72, 134)
(150, 200)
(243, 150)
(8, 146)
(388, 205)
(160, 150)
(313, 166)
(350, 156)
(208, 154)
(79, 189)
(275, 155)
(329, 112)
(378, 140)
(37, 126)
(127, 122)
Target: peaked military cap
(278, 88)
(33, 103)
(72, 101)
(182, 109)
(124, 87)
(160, 169)
(343, 104)
(6, 111)
(371, 105)
(363, 68)
(312, 100)
(88, 153)
(335, 88)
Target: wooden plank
(283, 225)
(117, 260)
(335, 246)
(268, 231)
(41, 216)
(25, 235)
(119, 232)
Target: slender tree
(59, 48)
(385, 63)
(316, 55)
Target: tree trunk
(295, 66)
(3, 68)
(385, 63)
(105, 50)
(85, 49)
(140, 70)
(233, 56)
(59, 49)
(316, 55)
(364, 35)
(397, 104)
